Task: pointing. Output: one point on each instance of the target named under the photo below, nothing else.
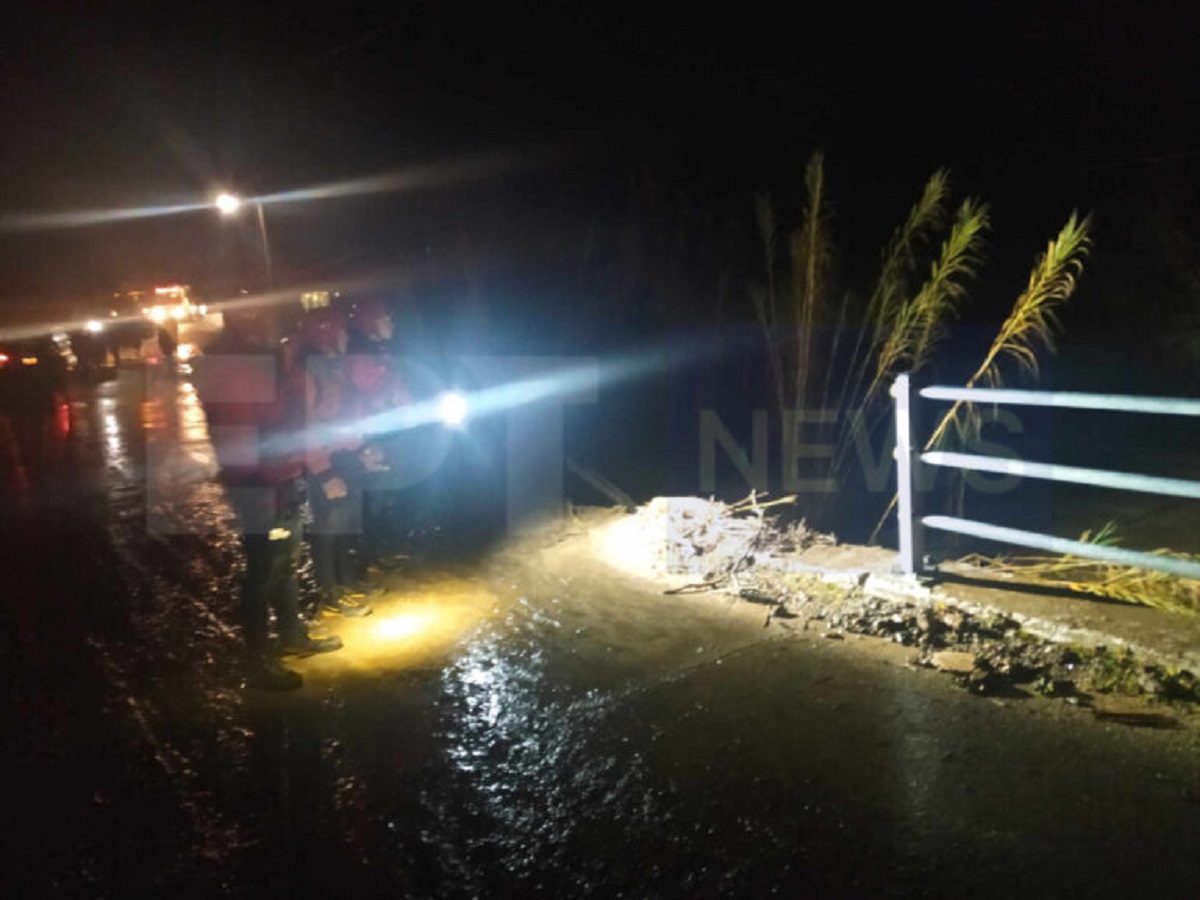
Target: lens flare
(452, 408)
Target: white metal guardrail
(909, 459)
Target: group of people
(285, 415)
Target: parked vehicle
(33, 401)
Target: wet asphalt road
(516, 722)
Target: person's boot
(266, 674)
(307, 645)
(365, 593)
(313, 626)
(347, 604)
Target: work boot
(308, 645)
(389, 563)
(365, 594)
(314, 627)
(346, 604)
(266, 674)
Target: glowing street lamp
(228, 205)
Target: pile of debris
(715, 541)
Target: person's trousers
(271, 535)
(335, 527)
(270, 584)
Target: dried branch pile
(714, 541)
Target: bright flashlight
(452, 409)
(94, 326)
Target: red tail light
(62, 420)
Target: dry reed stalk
(1029, 327)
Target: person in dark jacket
(374, 374)
(336, 459)
(254, 424)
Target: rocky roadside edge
(988, 652)
(738, 550)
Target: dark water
(524, 722)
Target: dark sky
(1038, 106)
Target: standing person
(335, 457)
(252, 421)
(169, 345)
(378, 388)
(89, 351)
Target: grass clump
(1110, 672)
(1108, 581)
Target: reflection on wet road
(525, 722)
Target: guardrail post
(908, 452)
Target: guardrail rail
(910, 458)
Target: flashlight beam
(568, 381)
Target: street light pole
(266, 245)
(229, 204)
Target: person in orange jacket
(252, 420)
(335, 457)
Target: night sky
(1039, 108)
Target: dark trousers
(335, 527)
(271, 563)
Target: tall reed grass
(843, 360)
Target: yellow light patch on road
(410, 628)
(403, 625)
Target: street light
(229, 204)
